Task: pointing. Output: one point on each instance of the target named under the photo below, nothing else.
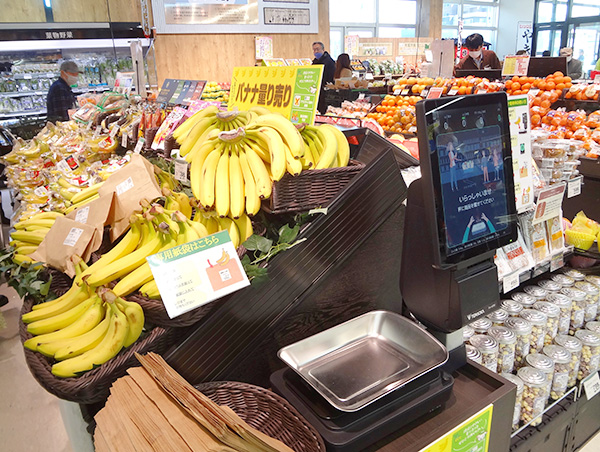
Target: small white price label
(27, 77)
(124, 140)
(181, 170)
(139, 145)
(82, 214)
(42, 192)
(405, 91)
(591, 385)
(574, 187)
(361, 96)
(114, 131)
(557, 262)
(63, 166)
(510, 282)
(124, 186)
(73, 236)
(397, 92)
(453, 91)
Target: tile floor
(33, 420)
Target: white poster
(520, 140)
(524, 36)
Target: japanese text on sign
(265, 94)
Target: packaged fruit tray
(92, 386)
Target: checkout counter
(429, 259)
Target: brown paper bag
(131, 184)
(66, 238)
(97, 214)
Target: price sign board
(193, 274)
(515, 65)
(549, 203)
(291, 91)
(180, 92)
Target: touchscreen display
(467, 145)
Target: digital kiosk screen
(471, 165)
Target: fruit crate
(92, 386)
(310, 189)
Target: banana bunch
(83, 329)
(239, 229)
(30, 233)
(164, 178)
(325, 147)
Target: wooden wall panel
(125, 10)
(80, 11)
(22, 11)
(213, 57)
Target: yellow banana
(262, 179)
(81, 325)
(275, 144)
(60, 321)
(251, 196)
(288, 131)
(185, 206)
(26, 249)
(21, 259)
(308, 160)
(81, 204)
(293, 166)
(203, 181)
(126, 264)
(329, 155)
(78, 295)
(263, 152)
(212, 225)
(195, 133)
(76, 345)
(201, 229)
(133, 312)
(237, 202)
(86, 193)
(127, 244)
(244, 225)
(181, 132)
(229, 225)
(31, 237)
(343, 147)
(259, 110)
(224, 257)
(222, 184)
(109, 347)
(46, 223)
(150, 290)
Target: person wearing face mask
(60, 96)
(322, 57)
(478, 58)
(574, 66)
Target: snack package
(167, 127)
(502, 264)
(555, 233)
(517, 255)
(535, 237)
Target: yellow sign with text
(473, 435)
(291, 91)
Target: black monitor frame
(544, 66)
(432, 186)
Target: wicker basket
(266, 412)
(93, 386)
(310, 189)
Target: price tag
(139, 145)
(73, 236)
(82, 214)
(369, 76)
(196, 273)
(557, 261)
(361, 96)
(453, 91)
(322, 210)
(388, 76)
(42, 192)
(574, 187)
(63, 166)
(124, 140)
(397, 92)
(435, 92)
(405, 91)
(27, 76)
(124, 186)
(114, 131)
(510, 282)
(591, 385)
(97, 131)
(181, 170)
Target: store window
(478, 16)
(397, 12)
(352, 11)
(585, 8)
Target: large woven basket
(266, 412)
(93, 386)
(310, 189)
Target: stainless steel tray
(357, 362)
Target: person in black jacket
(60, 97)
(322, 57)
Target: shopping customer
(60, 96)
(478, 57)
(342, 67)
(574, 66)
(323, 57)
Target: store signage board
(263, 47)
(167, 90)
(435, 92)
(515, 65)
(291, 91)
(180, 92)
(520, 137)
(472, 435)
(351, 45)
(549, 203)
(236, 16)
(193, 274)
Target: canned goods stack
(489, 350)
(573, 345)
(562, 360)
(538, 322)
(578, 305)
(565, 305)
(507, 340)
(534, 394)
(552, 313)
(513, 307)
(590, 353)
(522, 328)
(498, 317)
(519, 399)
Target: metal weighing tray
(357, 362)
